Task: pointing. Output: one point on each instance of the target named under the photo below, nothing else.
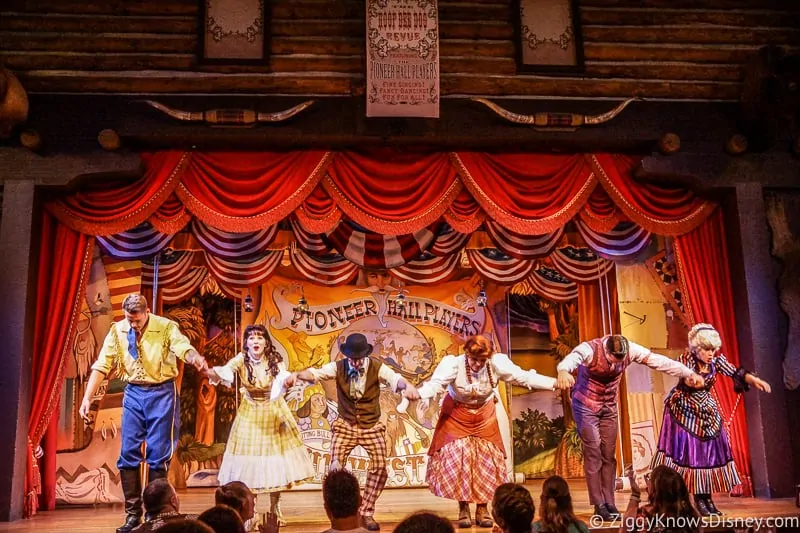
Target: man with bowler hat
(358, 377)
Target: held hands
(564, 380)
(696, 381)
(411, 392)
(198, 361)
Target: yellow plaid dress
(264, 448)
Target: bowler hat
(356, 346)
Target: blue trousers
(598, 431)
(150, 414)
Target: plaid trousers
(345, 438)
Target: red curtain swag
(64, 262)
(387, 192)
(702, 261)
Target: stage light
(481, 299)
(400, 302)
(302, 303)
(247, 303)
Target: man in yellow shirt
(145, 348)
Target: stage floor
(304, 512)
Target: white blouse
(263, 379)
(451, 373)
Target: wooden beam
(64, 169)
(691, 35)
(107, 7)
(105, 42)
(43, 22)
(690, 4)
(662, 17)
(703, 171)
(62, 60)
(18, 286)
(611, 51)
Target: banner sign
(402, 58)
(411, 338)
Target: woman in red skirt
(467, 455)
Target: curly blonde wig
(704, 336)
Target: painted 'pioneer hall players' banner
(402, 58)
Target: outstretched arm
(326, 371)
(510, 372)
(581, 354)
(662, 363)
(444, 374)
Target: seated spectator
(222, 519)
(341, 496)
(161, 505)
(185, 526)
(555, 509)
(512, 508)
(425, 522)
(669, 499)
(238, 496)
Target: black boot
(602, 511)
(710, 505)
(613, 510)
(702, 506)
(156, 474)
(132, 491)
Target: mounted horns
(564, 121)
(230, 117)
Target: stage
(304, 512)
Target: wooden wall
(653, 48)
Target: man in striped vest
(145, 349)
(600, 364)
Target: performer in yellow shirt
(145, 348)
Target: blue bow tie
(354, 373)
(133, 349)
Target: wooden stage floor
(304, 512)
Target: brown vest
(598, 381)
(366, 411)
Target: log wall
(653, 48)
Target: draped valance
(386, 192)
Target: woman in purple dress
(693, 441)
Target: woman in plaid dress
(264, 449)
(693, 441)
(467, 456)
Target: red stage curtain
(702, 261)
(661, 210)
(318, 213)
(528, 194)
(243, 192)
(110, 207)
(64, 262)
(171, 216)
(600, 213)
(464, 214)
(390, 192)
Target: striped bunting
(329, 270)
(239, 246)
(449, 242)
(237, 276)
(580, 264)
(313, 243)
(373, 250)
(137, 243)
(523, 246)
(496, 266)
(428, 269)
(625, 241)
(171, 269)
(549, 284)
(185, 287)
